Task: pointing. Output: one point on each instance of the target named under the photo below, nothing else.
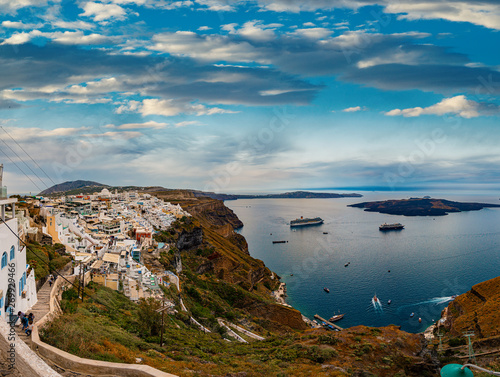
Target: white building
(17, 280)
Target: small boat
(280, 241)
(325, 232)
(376, 300)
(326, 290)
(336, 318)
(347, 264)
(291, 274)
(389, 302)
(420, 320)
(411, 315)
(454, 297)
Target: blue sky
(230, 95)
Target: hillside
(477, 310)
(72, 185)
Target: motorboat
(326, 290)
(389, 302)
(376, 300)
(411, 315)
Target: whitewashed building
(17, 280)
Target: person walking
(29, 329)
(24, 321)
(20, 316)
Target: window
(4, 260)
(12, 252)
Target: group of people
(26, 321)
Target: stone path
(39, 310)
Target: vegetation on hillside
(45, 259)
(110, 327)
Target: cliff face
(476, 310)
(214, 211)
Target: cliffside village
(106, 234)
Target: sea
(418, 268)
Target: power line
(22, 171)
(36, 163)
(13, 151)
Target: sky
(244, 96)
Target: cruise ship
(395, 226)
(305, 222)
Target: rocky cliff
(476, 310)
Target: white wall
(14, 271)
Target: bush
(455, 342)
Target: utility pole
(468, 335)
(162, 310)
(440, 347)
(81, 275)
(162, 321)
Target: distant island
(286, 195)
(421, 207)
(89, 187)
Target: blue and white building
(17, 279)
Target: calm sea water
(418, 268)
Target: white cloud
(458, 105)
(354, 109)
(133, 126)
(478, 13)
(218, 5)
(66, 37)
(81, 25)
(17, 39)
(103, 12)
(205, 47)
(313, 33)
(308, 24)
(187, 123)
(204, 28)
(11, 6)
(18, 25)
(255, 30)
(115, 135)
(169, 107)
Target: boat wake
(433, 301)
(377, 305)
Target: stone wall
(25, 361)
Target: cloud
(205, 47)
(204, 28)
(458, 105)
(254, 30)
(103, 12)
(354, 109)
(483, 13)
(79, 24)
(170, 107)
(187, 123)
(134, 126)
(11, 6)
(66, 37)
(18, 25)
